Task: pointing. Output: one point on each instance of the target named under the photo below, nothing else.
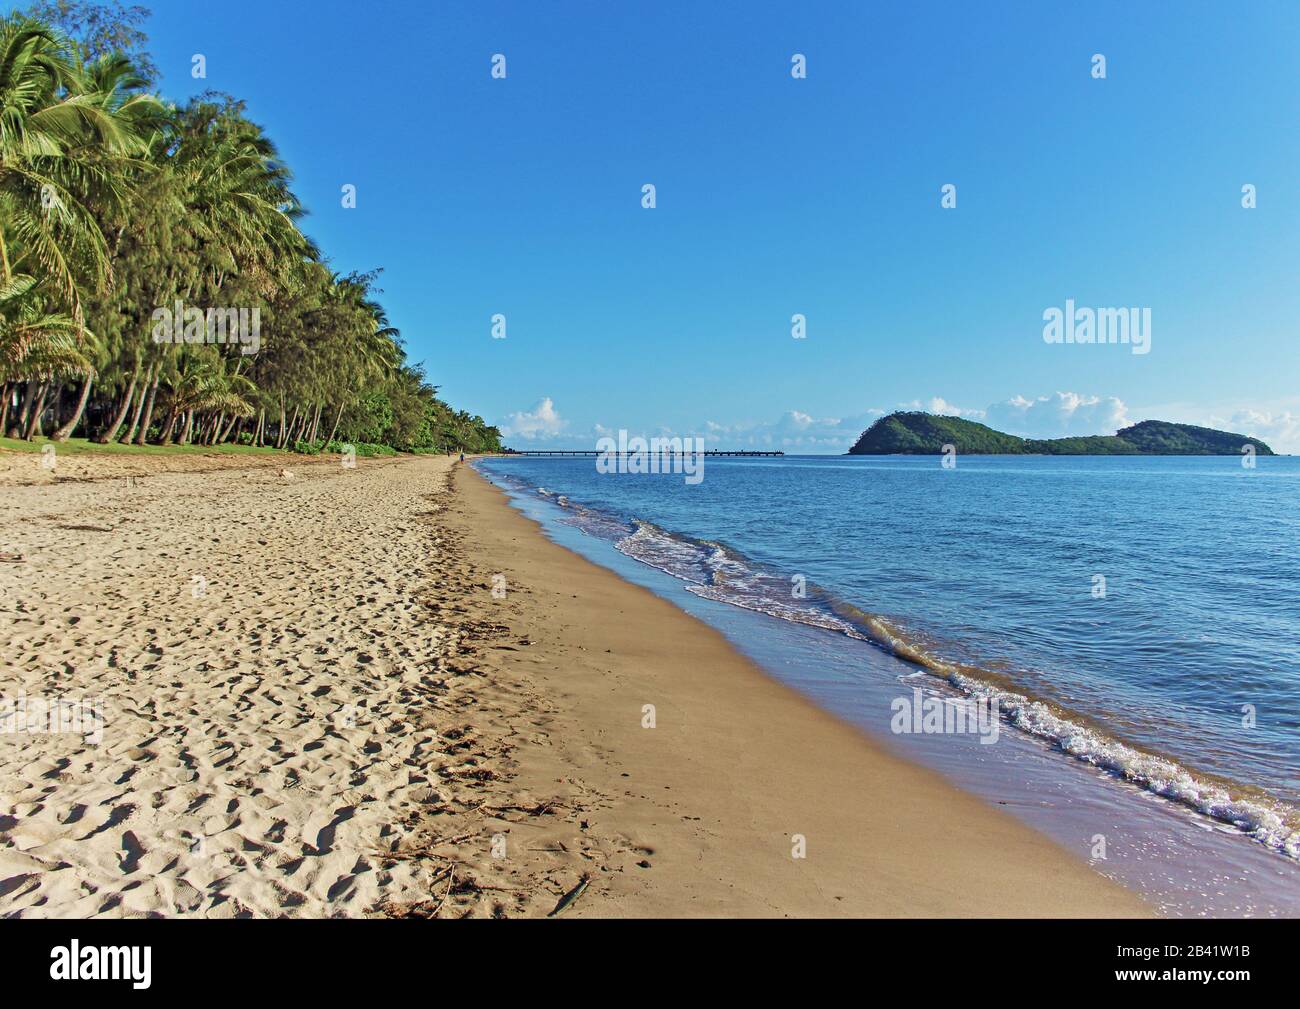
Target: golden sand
(315, 704)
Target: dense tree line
(155, 286)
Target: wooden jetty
(712, 453)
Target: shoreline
(346, 721)
(885, 837)
(1039, 714)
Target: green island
(918, 433)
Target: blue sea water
(1137, 618)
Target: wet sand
(382, 691)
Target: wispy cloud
(793, 431)
(1046, 416)
(1055, 415)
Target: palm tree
(204, 387)
(64, 132)
(220, 204)
(112, 205)
(59, 137)
(114, 84)
(36, 346)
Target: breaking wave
(717, 571)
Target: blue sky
(778, 196)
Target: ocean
(1133, 623)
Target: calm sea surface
(1136, 619)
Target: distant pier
(593, 452)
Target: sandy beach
(380, 691)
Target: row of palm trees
(113, 205)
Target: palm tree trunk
(139, 408)
(235, 423)
(148, 410)
(335, 429)
(34, 418)
(4, 260)
(189, 426)
(10, 389)
(169, 426)
(20, 420)
(111, 433)
(282, 433)
(64, 432)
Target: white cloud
(1280, 430)
(795, 431)
(1275, 422)
(939, 405)
(541, 423)
(1062, 414)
